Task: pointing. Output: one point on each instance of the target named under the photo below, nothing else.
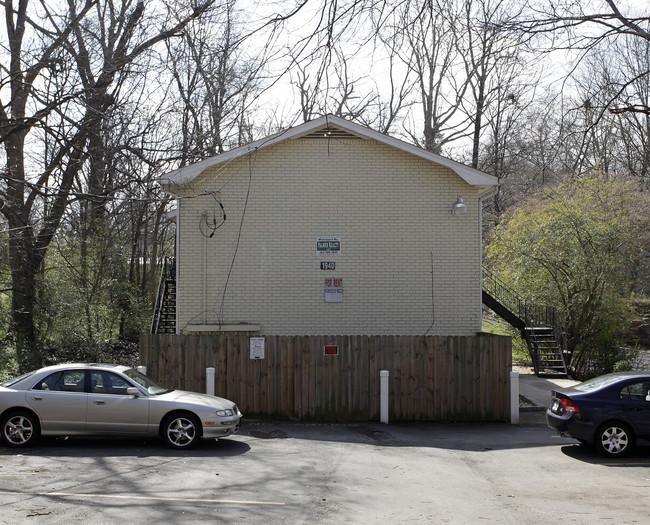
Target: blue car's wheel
(614, 439)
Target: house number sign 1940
(328, 265)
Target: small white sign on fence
(257, 347)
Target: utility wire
(251, 160)
(104, 197)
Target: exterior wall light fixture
(459, 206)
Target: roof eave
(187, 174)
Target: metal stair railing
(504, 294)
(533, 316)
(166, 273)
(545, 351)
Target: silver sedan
(108, 400)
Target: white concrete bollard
(142, 370)
(514, 398)
(209, 380)
(383, 396)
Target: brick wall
(406, 262)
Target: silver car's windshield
(151, 386)
(15, 380)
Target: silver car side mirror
(133, 391)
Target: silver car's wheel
(613, 439)
(181, 431)
(20, 429)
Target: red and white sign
(333, 290)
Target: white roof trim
(187, 174)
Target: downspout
(480, 259)
(205, 280)
(177, 253)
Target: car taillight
(569, 406)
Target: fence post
(514, 398)
(142, 369)
(209, 380)
(383, 396)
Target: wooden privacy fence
(432, 378)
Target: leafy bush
(88, 351)
(495, 325)
(579, 246)
(92, 297)
(8, 362)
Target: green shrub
(495, 325)
(81, 350)
(580, 247)
(8, 362)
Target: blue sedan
(610, 412)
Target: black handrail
(532, 315)
(168, 271)
(504, 294)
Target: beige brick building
(329, 228)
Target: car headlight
(225, 413)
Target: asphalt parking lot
(282, 472)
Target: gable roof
(336, 127)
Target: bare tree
(53, 67)
(308, 85)
(613, 142)
(430, 32)
(216, 81)
(333, 90)
(509, 109)
(585, 26)
(492, 55)
(390, 107)
(633, 126)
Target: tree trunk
(23, 300)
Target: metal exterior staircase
(539, 326)
(164, 317)
(547, 350)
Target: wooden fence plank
(308, 378)
(298, 379)
(265, 392)
(232, 371)
(427, 365)
(315, 377)
(362, 388)
(284, 374)
(373, 382)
